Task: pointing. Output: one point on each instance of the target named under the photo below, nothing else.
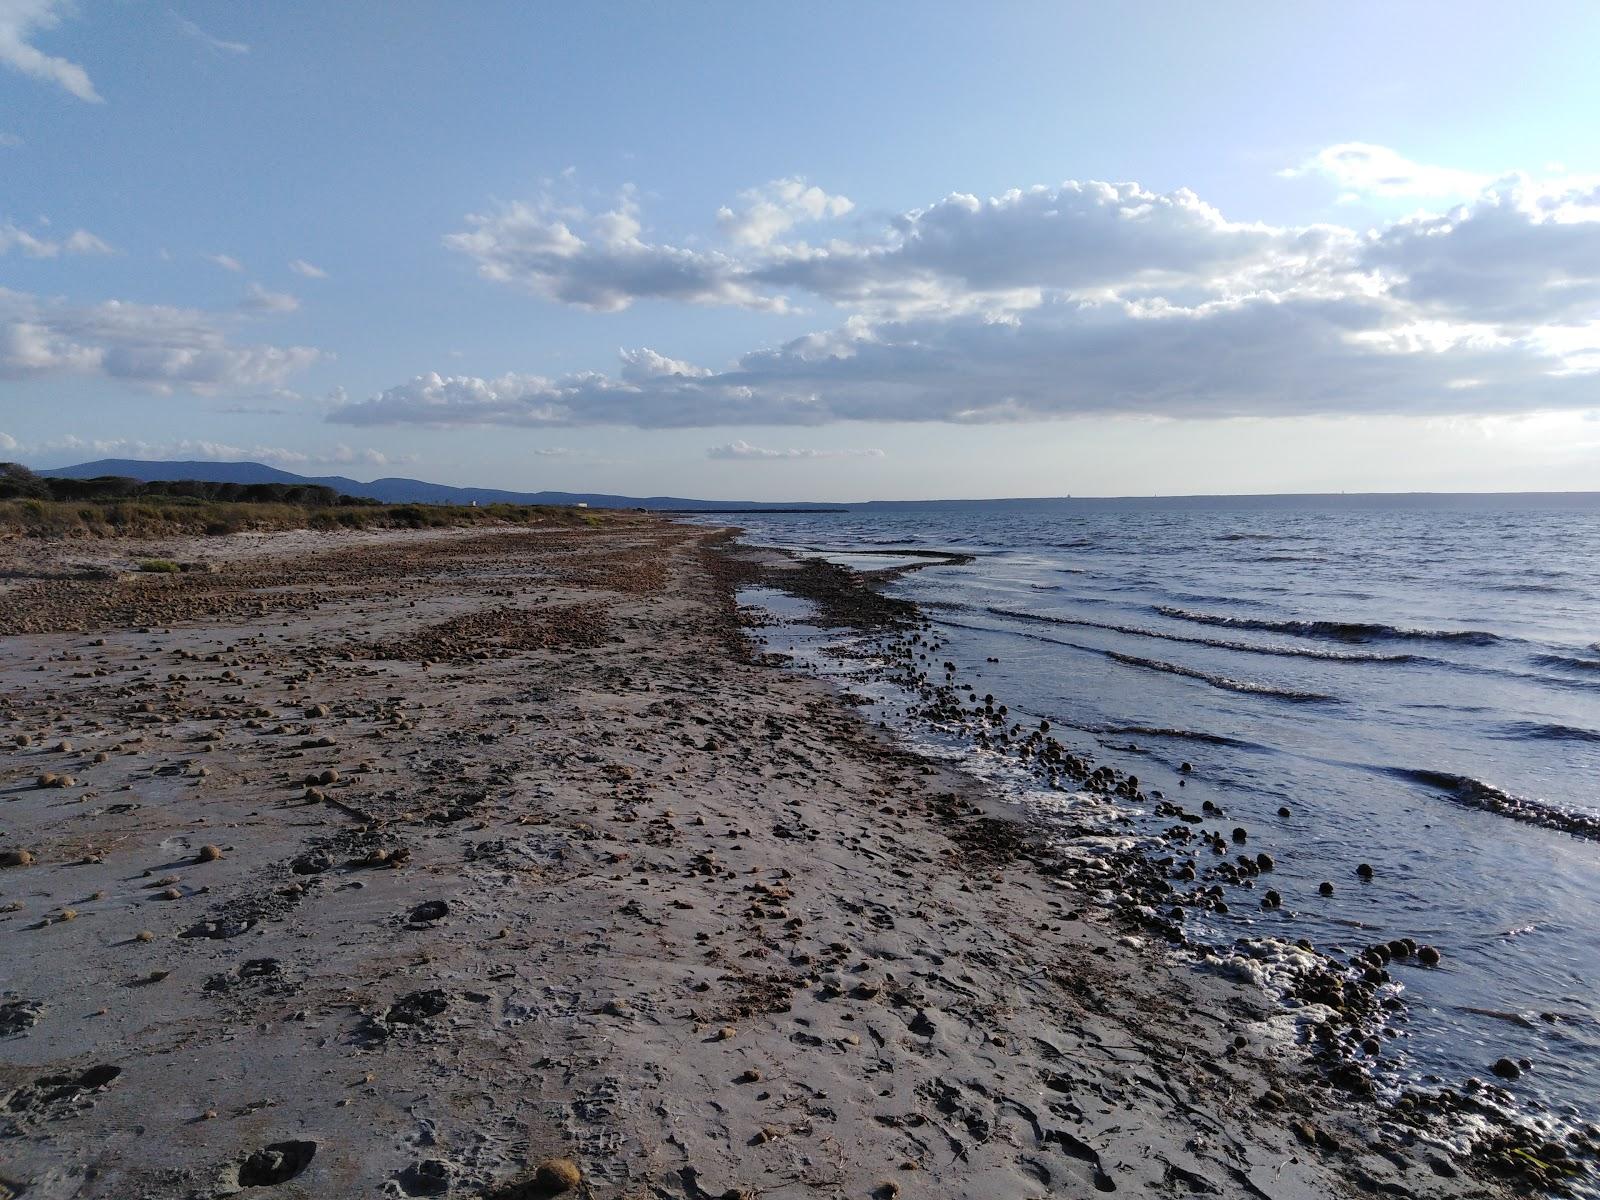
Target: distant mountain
(389, 491)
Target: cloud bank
(203, 450)
(153, 345)
(1076, 299)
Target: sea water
(1417, 679)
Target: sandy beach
(498, 863)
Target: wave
(1338, 631)
(1221, 681)
(1475, 793)
(1551, 732)
(1162, 635)
(1187, 735)
(1567, 661)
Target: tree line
(17, 482)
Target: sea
(1416, 679)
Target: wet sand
(399, 864)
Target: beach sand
(399, 864)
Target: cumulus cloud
(190, 29)
(301, 267)
(20, 21)
(1085, 297)
(155, 345)
(961, 252)
(743, 451)
(1523, 254)
(7, 442)
(226, 261)
(597, 260)
(765, 212)
(81, 241)
(259, 300)
(1086, 239)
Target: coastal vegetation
(113, 506)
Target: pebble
(1506, 1069)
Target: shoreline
(522, 855)
(1334, 1012)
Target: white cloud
(961, 253)
(20, 20)
(206, 450)
(645, 364)
(154, 345)
(1081, 298)
(1522, 254)
(14, 238)
(742, 450)
(84, 242)
(226, 261)
(186, 450)
(301, 267)
(1363, 169)
(598, 260)
(1264, 356)
(9, 139)
(259, 300)
(80, 242)
(365, 456)
(190, 29)
(765, 212)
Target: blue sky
(808, 251)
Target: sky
(808, 251)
